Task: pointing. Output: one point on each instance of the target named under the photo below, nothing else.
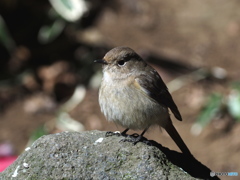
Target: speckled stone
(91, 155)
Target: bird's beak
(102, 61)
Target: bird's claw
(135, 138)
(110, 133)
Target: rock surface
(91, 155)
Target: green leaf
(68, 4)
(5, 37)
(236, 86)
(49, 33)
(234, 103)
(39, 132)
(210, 110)
(70, 10)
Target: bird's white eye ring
(121, 63)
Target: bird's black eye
(121, 63)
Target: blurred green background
(49, 84)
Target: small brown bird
(134, 95)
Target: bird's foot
(110, 133)
(135, 138)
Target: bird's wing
(153, 86)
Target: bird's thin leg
(143, 132)
(124, 132)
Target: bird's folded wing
(153, 86)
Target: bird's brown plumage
(134, 95)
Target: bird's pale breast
(125, 104)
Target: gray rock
(91, 155)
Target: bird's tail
(177, 138)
